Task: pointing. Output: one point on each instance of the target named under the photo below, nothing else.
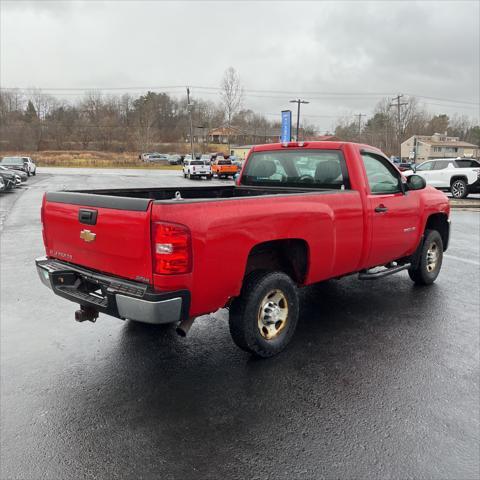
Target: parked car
(206, 158)
(32, 168)
(18, 173)
(144, 157)
(404, 166)
(9, 178)
(456, 175)
(196, 169)
(3, 186)
(238, 164)
(222, 167)
(174, 159)
(347, 210)
(15, 163)
(158, 158)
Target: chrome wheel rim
(458, 189)
(272, 314)
(432, 257)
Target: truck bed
(196, 193)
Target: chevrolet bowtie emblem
(87, 235)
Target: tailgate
(104, 233)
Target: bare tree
(231, 95)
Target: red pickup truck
(299, 213)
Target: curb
(465, 205)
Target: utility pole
(399, 105)
(189, 106)
(360, 115)
(298, 102)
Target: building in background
(423, 147)
(240, 151)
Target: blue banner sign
(286, 126)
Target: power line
(214, 90)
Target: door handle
(381, 208)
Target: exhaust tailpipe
(184, 326)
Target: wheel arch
(458, 177)
(288, 255)
(440, 223)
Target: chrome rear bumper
(112, 295)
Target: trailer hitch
(86, 313)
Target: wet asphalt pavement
(381, 380)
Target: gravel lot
(381, 380)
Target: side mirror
(416, 182)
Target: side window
(425, 166)
(440, 165)
(467, 163)
(382, 178)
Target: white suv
(196, 168)
(32, 168)
(460, 176)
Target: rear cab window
(303, 168)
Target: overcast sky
(308, 49)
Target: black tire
(34, 173)
(245, 313)
(184, 175)
(423, 273)
(459, 188)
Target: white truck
(193, 168)
(460, 176)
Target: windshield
(197, 162)
(296, 168)
(12, 161)
(224, 162)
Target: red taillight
(172, 250)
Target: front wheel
(459, 189)
(34, 172)
(430, 261)
(264, 317)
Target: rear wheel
(459, 188)
(264, 317)
(430, 262)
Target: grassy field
(90, 159)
